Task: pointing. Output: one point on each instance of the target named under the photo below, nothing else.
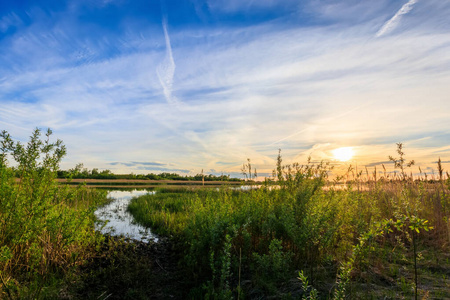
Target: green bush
(253, 240)
(265, 233)
(45, 229)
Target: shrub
(44, 228)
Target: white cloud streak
(166, 69)
(240, 89)
(8, 21)
(394, 21)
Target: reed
(307, 223)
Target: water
(120, 222)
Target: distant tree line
(79, 172)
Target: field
(299, 235)
(304, 238)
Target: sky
(190, 85)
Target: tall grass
(45, 229)
(301, 223)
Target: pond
(120, 221)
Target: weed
(254, 240)
(45, 229)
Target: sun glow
(343, 154)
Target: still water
(120, 221)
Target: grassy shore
(298, 236)
(49, 247)
(389, 239)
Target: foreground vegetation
(49, 248)
(46, 230)
(305, 239)
(296, 237)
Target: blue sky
(153, 86)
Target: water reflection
(120, 221)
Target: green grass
(46, 230)
(369, 239)
(253, 243)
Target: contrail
(393, 22)
(166, 69)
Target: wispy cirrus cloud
(393, 22)
(10, 20)
(246, 90)
(166, 69)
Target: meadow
(298, 235)
(50, 247)
(301, 236)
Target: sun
(343, 154)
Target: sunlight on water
(120, 222)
